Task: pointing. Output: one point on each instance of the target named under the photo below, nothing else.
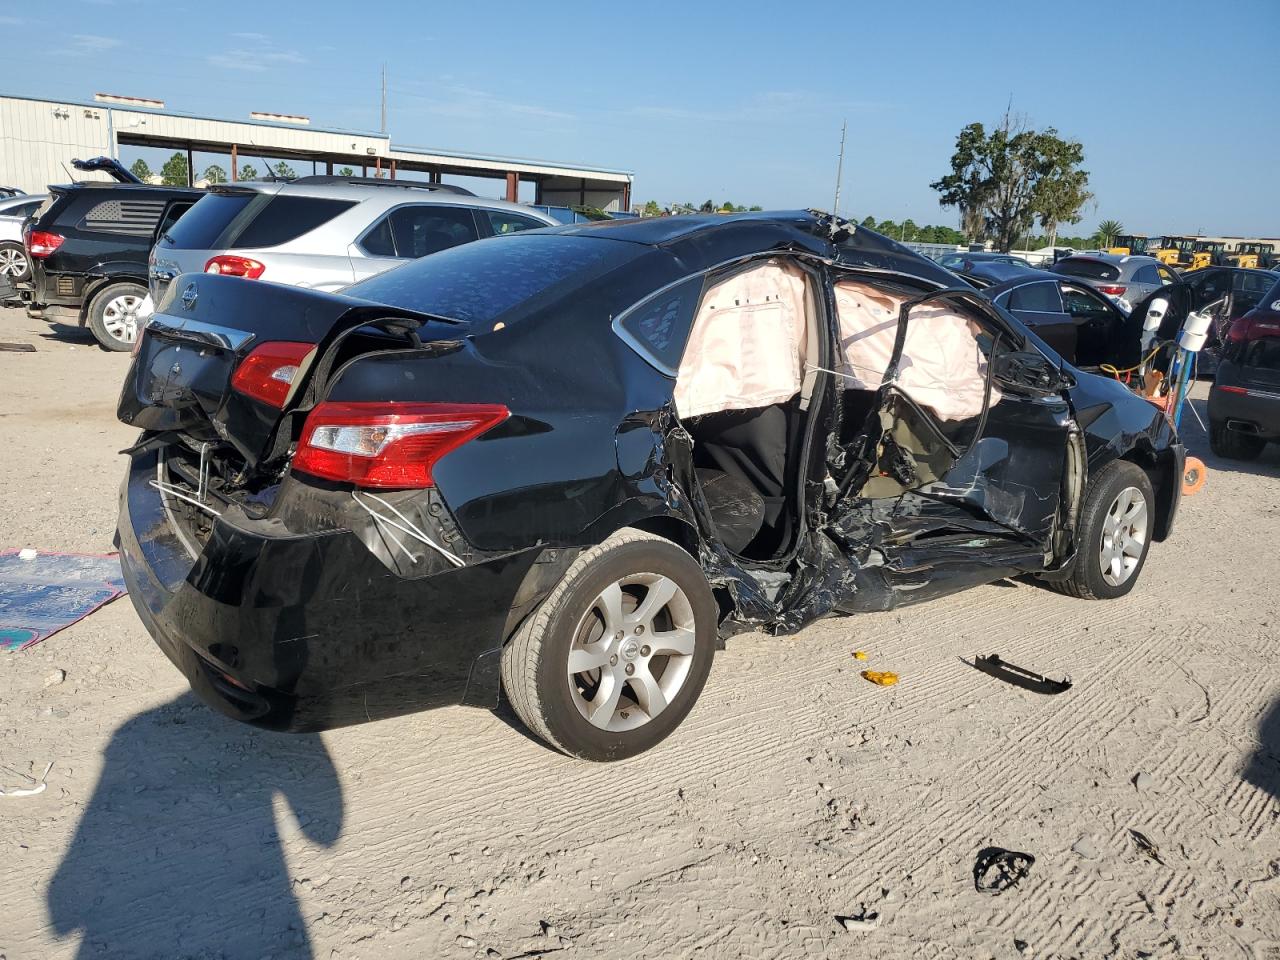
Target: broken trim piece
(1019, 676)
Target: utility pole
(384, 98)
(835, 207)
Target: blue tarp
(40, 596)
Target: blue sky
(1177, 103)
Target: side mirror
(1028, 370)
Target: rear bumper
(311, 632)
(1256, 412)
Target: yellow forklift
(1126, 244)
(1171, 251)
(1253, 256)
(1207, 253)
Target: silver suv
(1125, 279)
(325, 231)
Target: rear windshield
(202, 225)
(478, 282)
(1086, 268)
(247, 219)
(286, 217)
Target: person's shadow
(1263, 769)
(177, 853)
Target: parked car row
(90, 253)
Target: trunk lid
(205, 326)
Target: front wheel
(1115, 533)
(614, 659)
(113, 315)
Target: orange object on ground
(1194, 476)
(882, 678)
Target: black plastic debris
(864, 919)
(1144, 844)
(1019, 676)
(17, 347)
(997, 869)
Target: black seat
(736, 508)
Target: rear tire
(637, 614)
(1234, 445)
(14, 265)
(1115, 533)
(112, 315)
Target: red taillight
(1113, 290)
(41, 243)
(267, 374)
(1233, 390)
(230, 266)
(388, 445)
(1253, 328)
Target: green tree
(214, 174)
(708, 206)
(1062, 192)
(1107, 232)
(174, 173)
(887, 227)
(995, 179)
(248, 172)
(754, 207)
(869, 223)
(283, 169)
(651, 209)
(908, 230)
(140, 170)
(346, 172)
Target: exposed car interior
(747, 376)
(940, 392)
(742, 389)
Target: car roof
(1115, 259)
(1023, 278)
(702, 241)
(129, 187)
(386, 193)
(8, 203)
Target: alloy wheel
(1124, 536)
(632, 652)
(13, 263)
(120, 317)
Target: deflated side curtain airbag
(942, 366)
(746, 349)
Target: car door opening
(743, 392)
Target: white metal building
(39, 138)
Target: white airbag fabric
(747, 345)
(942, 366)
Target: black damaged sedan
(562, 465)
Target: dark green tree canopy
(1004, 180)
(140, 170)
(214, 174)
(248, 172)
(174, 172)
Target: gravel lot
(796, 793)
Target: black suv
(88, 246)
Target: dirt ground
(795, 794)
